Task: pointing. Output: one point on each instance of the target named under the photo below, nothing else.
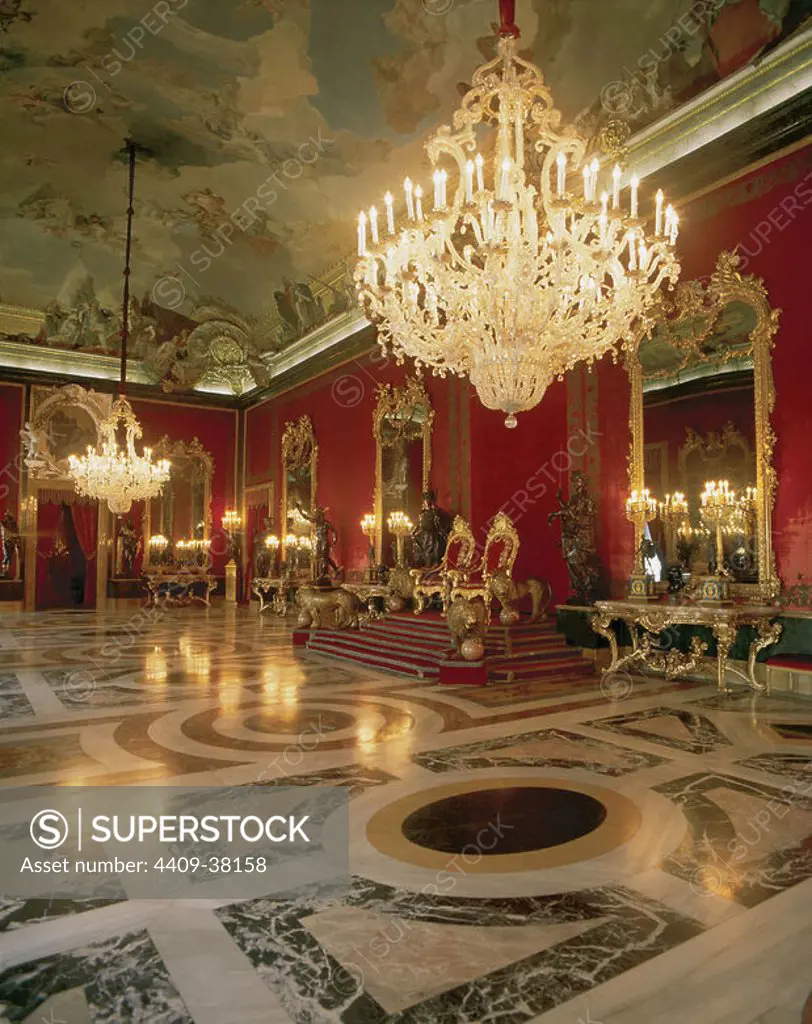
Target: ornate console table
(180, 587)
(646, 620)
(369, 594)
(275, 592)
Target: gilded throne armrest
(437, 581)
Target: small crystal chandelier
(515, 279)
(111, 471)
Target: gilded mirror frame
(193, 450)
(698, 299)
(299, 449)
(393, 401)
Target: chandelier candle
(512, 278)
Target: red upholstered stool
(790, 672)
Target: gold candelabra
(191, 550)
(272, 545)
(158, 548)
(231, 521)
(673, 511)
(401, 526)
(369, 525)
(718, 503)
(641, 508)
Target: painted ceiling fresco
(265, 125)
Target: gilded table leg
(724, 633)
(769, 633)
(602, 625)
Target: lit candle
(561, 161)
(674, 227)
(594, 167)
(643, 255)
(362, 233)
(390, 215)
(469, 181)
(635, 185)
(373, 224)
(407, 188)
(505, 180)
(443, 187)
(418, 202)
(616, 187)
(658, 216)
(438, 189)
(479, 161)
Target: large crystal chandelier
(537, 261)
(112, 471)
(116, 473)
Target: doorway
(67, 533)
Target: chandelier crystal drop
(531, 258)
(116, 473)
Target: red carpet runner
(417, 645)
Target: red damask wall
(767, 217)
(610, 479)
(340, 405)
(11, 415)
(518, 472)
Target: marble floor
(673, 882)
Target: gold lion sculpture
(508, 592)
(467, 619)
(328, 609)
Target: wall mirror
(702, 394)
(300, 455)
(402, 424)
(182, 511)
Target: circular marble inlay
(504, 824)
(299, 721)
(531, 817)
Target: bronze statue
(577, 516)
(262, 555)
(430, 534)
(130, 543)
(326, 536)
(10, 543)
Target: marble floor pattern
(689, 900)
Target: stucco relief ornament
(510, 276)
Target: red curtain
(86, 522)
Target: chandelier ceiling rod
(114, 471)
(507, 16)
(125, 312)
